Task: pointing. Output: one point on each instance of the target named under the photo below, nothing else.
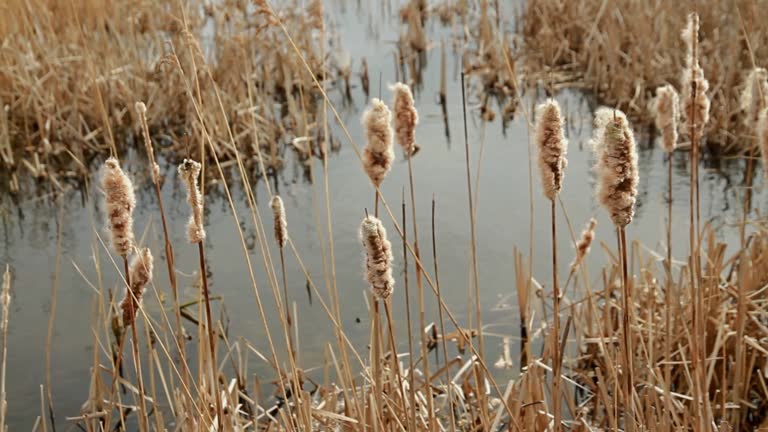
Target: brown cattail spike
(695, 102)
(584, 243)
(120, 202)
(552, 145)
(378, 257)
(141, 275)
(406, 118)
(617, 172)
(667, 111)
(281, 226)
(189, 170)
(378, 153)
(753, 97)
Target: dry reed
(762, 139)
(189, 171)
(584, 243)
(753, 96)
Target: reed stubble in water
(618, 178)
(552, 145)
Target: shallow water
(29, 232)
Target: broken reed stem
(211, 335)
(143, 416)
(556, 354)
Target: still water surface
(29, 232)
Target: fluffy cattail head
(666, 110)
(119, 201)
(140, 276)
(552, 145)
(584, 243)
(378, 154)
(695, 86)
(281, 226)
(189, 170)
(754, 95)
(614, 144)
(406, 118)
(762, 138)
(378, 257)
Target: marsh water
(53, 244)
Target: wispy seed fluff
(378, 257)
(281, 226)
(753, 97)
(552, 145)
(189, 170)
(141, 275)
(119, 202)
(614, 144)
(378, 154)
(762, 139)
(666, 109)
(696, 109)
(584, 243)
(406, 118)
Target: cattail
(406, 118)
(666, 109)
(120, 202)
(142, 110)
(378, 154)
(618, 178)
(695, 109)
(378, 257)
(189, 170)
(141, 275)
(754, 95)
(552, 147)
(584, 243)
(762, 139)
(281, 226)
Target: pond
(52, 245)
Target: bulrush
(666, 110)
(120, 202)
(584, 243)
(189, 170)
(695, 106)
(141, 275)
(406, 118)
(762, 139)
(378, 154)
(281, 226)
(552, 147)
(616, 167)
(754, 95)
(378, 257)
(141, 108)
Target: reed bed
(679, 343)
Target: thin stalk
(211, 336)
(287, 305)
(629, 419)
(143, 423)
(556, 361)
(411, 386)
(668, 300)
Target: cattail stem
(143, 416)
(556, 382)
(668, 298)
(393, 347)
(411, 387)
(629, 419)
(287, 306)
(211, 335)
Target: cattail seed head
(378, 257)
(119, 201)
(666, 111)
(189, 170)
(762, 138)
(378, 153)
(616, 167)
(140, 276)
(754, 95)
(584, 243)
(695, 86)
(552, 145)
(406, 118)
(281, 226)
